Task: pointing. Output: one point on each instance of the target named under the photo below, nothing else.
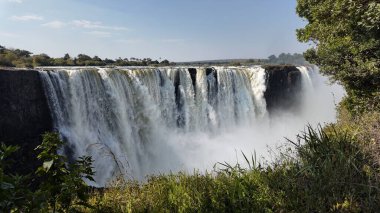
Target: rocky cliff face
(24, 113)
(283, 87)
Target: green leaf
(47, 165)
(5, 186)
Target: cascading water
(140, 121)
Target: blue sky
(179, 30)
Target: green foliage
(287, 58)
(24, 59)
(365, 128)
(62, 184)
(12, 194)
(15, 58)
(165, 63)
(346, 41)
(347, 46)
(222, 192)
(59, 186)
(330, 170)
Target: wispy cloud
(55, 24)
(16, 1)
(95, 25)
(87, 24)
(101, 34)
(96, 29)
(27, 18)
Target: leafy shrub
(12, 194)
(60, 186)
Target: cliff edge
(24, 112)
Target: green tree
(41, 60)
(109, 61)
(2, 49)
(96, 58)
(22, 53)
(165, 62)
(83, 60)
(5, 61)
(346, 37)
(59, 62)
(66, 57)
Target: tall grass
(329, 171)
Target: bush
(59, 186)
(12, 194)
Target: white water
(134, 122)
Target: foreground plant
(13, 194)
(62, 184)
(331, 171)
(57, 185)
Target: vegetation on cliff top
(25, 59)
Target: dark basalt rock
(283, 87)
(24, 114)
(193, 76)
(178, 100)
(210, 70)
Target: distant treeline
(24, 59)
(283, 58)
(225, 62)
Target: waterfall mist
(141, 121)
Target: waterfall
(126, 118)
(307, 82)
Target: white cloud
(95, 25)
(87, 24)
(16, 1)
(55, 24)
(98, 29)
(27, 18)
(101, 34)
